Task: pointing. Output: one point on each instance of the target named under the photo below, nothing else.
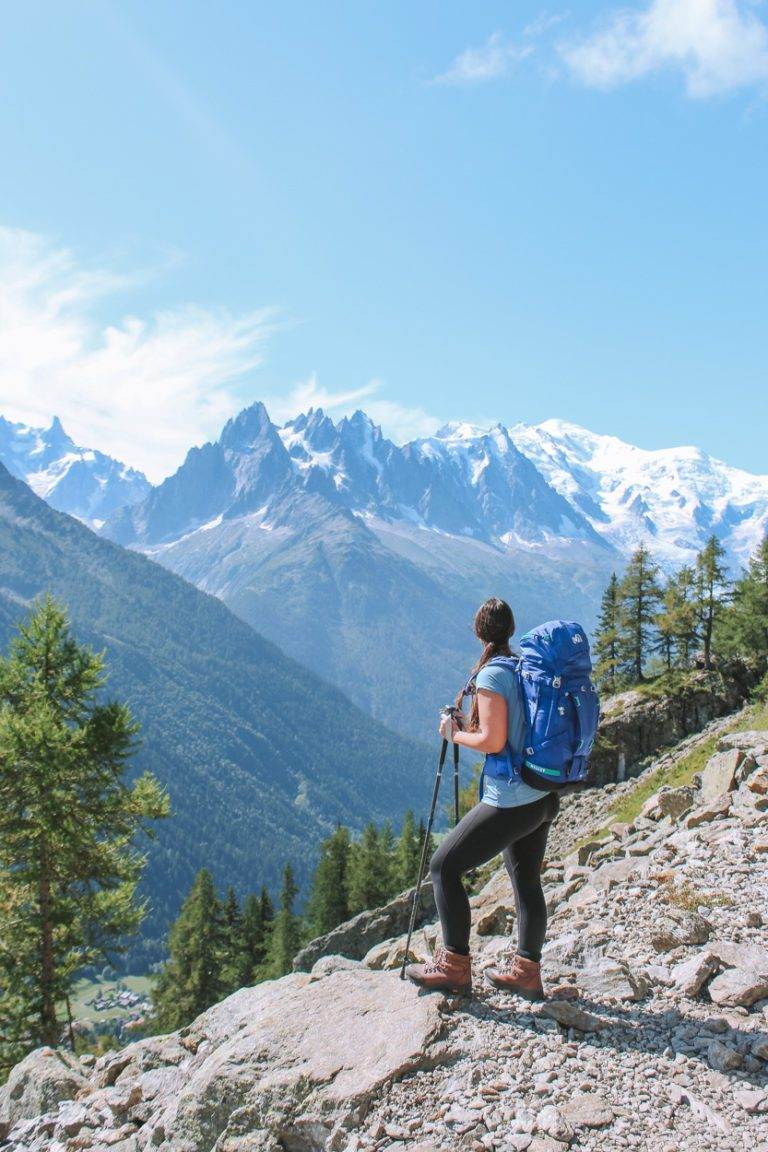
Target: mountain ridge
(80, 481)
(229, 723)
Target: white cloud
(717, 45)
(143, 389)
(398, 421)
(490, 61)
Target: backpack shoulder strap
(511, 662)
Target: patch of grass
(685, 895)
(676, 775)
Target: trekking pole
(455, 785)
(425, 847)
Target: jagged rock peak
(247, 427)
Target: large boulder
(719, 773)
(607, 979)
(738, 988)
(291, 1059)
(672, 802)
(36, 1085)
(283, 1065)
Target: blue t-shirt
(507, 793)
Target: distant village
(121, 998)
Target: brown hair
(494, 624)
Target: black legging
(520, 834)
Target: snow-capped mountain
(80, 481)
(366, 560)
(463, 480)
(672, 499)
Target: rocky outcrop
(355, 937)
(37, 1085)
(654, 1036)
(636, 725)
(292, 1063)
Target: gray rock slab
(738, 988)
(35, 1086)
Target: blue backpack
(561, 709)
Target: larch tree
(407, 853)
(639, 594)
(329, 897)
(712, 586)
(607, 633)
(69, 821)
(743, 628)
(285, 937)
(254, 937)
(194, 977)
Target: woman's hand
(448, 726)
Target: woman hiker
(512, 818)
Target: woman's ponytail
(495, 625)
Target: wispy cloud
(491, 61)
(142, 388)
(400, 422)
(717, 45)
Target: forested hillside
(260, 757)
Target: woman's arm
(492, 731)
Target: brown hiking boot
(445, 972)
(518, 975)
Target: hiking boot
(445, 972)
(518, 975)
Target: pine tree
(606, 647)
(712, 587)
(285, 938)
(639, 595)
(686, 616)
(267, 910)
(432, 846)
(407, 854)
(253, 940)
(387, 853)
(368, 879)
(667, 625)
(68, 821)
(743, 628)
(193, 978)
(233, 941)
(329, 897)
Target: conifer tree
(368, 874)
(432, 846)
(407, 853)
(233, 942)
(193, 977)
(267, 910)
(254, 930)
(68, 820)
(606, 645)
(667, 626)
(712, 587)
(285, 937)
(387, 853)
(329, 897)
(639, 595)
(743, 628)
(686, 615)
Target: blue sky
(432, 211)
